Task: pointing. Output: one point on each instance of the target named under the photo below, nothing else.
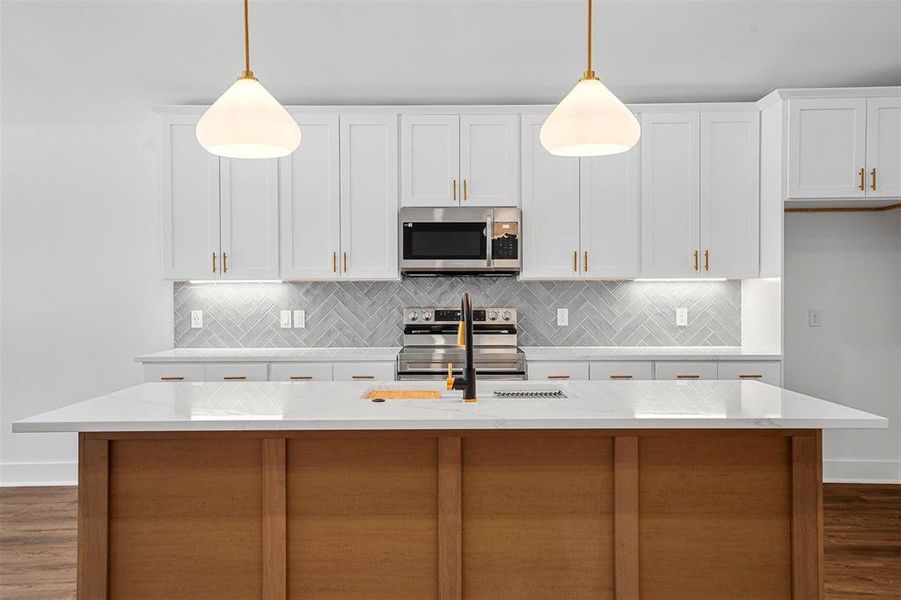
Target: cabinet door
(173, 372)
(763, 371)
(300, 371)
(685, 370)
(558, 371)
(430, 160)
(620, 370)
(490, 160)
(237, 371)
(610, 207)
(730, 198)
(310, 203)
(550, 208)
(190, 202)
(826, 147)
(369, 196)
(378, 371)
(670, 201)
(884, 147)
(249, 225)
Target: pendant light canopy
(590, 120)
(246, 121)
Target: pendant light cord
(248, 74)
(589, 74)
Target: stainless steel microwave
(464, 240)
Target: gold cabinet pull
(558, 376)
(362, 376)
(863, 175)
(755, 376)
(344, 258)
(454, 189)
(706, 260)
(575, 261)
(585, 262)
(873, 176)
(172, 378)
(235, 377)
(620, 377)
(214, 262)
(300, 377)
(465, 190)
(225, 262)
(696, 260)
(334, 262)
(688, 376)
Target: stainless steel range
(430, 343)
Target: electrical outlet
(562, 317)
(814, 317)
(681, 317)
(285, 319)
(196, 319)
(300, 319)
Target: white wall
(849, 266)
(80, 246)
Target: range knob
(413, 316)
(507, 315)
(426, 316)
(492, 315)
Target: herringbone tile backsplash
(367, 313)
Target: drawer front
(558, 371)
(364, 371)
(300, 372)
(237, 372)
(685, 370)
(621, 370)
(765, 371)
(173, 372)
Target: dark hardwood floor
(862, 523)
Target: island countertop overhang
(275, 406)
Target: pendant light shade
(246, 121)
(590, 120)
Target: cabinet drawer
(685, 370)
(618, 370)
(237, 372)
(300, 372)
(767, 372)
(173, 372)
(558, 370)
(362, 371)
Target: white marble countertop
(224, 355)
(655, 353)
(341, 406)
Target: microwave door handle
(489, 237)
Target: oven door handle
(489, 238)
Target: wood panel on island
(618, 514)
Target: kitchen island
(663, 489)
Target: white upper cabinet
(190, 202)
(730, 198)
(310, 203)
(430, 146)
(490, 160)
(550, 208)
(453, 160)
(611, 216)
(884, 147)
(248, 202)
(827, 147)
(670, 197)
(369, 196)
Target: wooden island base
(655, 514)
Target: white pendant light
(246, 121)
(590, 120)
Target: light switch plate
(285, 319)
(681, 317)
(814, 317)
(300, 319)
(196, 319)
(562, 317)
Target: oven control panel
(440, 316)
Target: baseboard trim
(38, 474)
(862, 471)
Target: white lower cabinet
(765, 371)
(362, 371)
(557, 370)
(237, 372)
(300, 371)
(621, 370)
(685, 370)
(167, 372)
